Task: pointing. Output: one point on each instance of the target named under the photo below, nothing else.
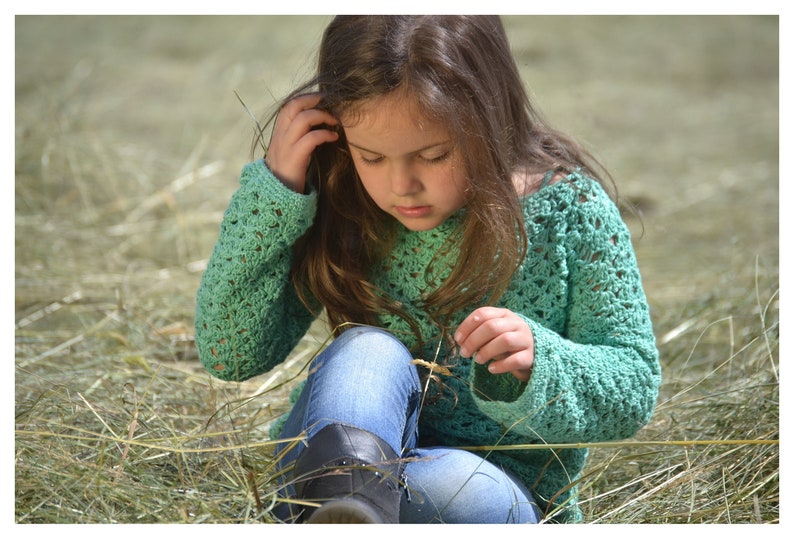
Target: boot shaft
(346, 463)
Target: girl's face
(409, 166)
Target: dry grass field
(128, 141)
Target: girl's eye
(371, 160)
(437, 158)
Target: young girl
(411, 191)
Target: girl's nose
(404, 181)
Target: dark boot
(353, 473)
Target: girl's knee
(371, 337)
(367, 354)
(370, 343)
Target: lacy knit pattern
(596, 373)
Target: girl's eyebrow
(415, 151)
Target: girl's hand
(501, 337)
(294, 139)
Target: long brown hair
(459, 70)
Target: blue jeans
(365, 379)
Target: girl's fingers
(294, 106)
(304, 123)
(480, 327)
(500, 338)
(295, 136)
(518, 364)
(500, 346)
(301, 111)
(305, 145)
(466, 329)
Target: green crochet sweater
(596, 371)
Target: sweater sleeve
(597, 378)
(248, 316)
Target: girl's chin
(419, 225)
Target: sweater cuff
(257, 177)
(516, 398)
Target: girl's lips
(414, 211)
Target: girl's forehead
(388, 111)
